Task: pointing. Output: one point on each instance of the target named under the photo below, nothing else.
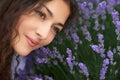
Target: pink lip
(31, 42)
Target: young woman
(26, 25)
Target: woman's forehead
(58, 9)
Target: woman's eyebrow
(51, 14)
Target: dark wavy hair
(10, 11)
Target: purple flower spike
(84, 69)
(69, 51)
(36, 78)
(118, 2)
(103, 71)
(118, 24)
(101, 7)
(103, 27)
(100, 38)
(86, 33)
(95, 48)
(70, 60)
(110, 54)
(105, 62)
(75, 37)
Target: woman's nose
(43, 31)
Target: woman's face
(39, 28)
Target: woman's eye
(41, 14)
(56, 30)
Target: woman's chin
(23, 53)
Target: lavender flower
(111, 2)
(84, 10)
(96, 25)
(118, 29)
(103, 16)
(95, 48)
(41, 60)
(69, 52)
(114, 50)
(115, 16)
(95, 16)
(57, 54)
(109, 9)
(70, 60)
(86, 33)
(118, 2)
(118, 24)
(36, 78)
(55, 62)
(105, 62)
(83, 69)
(41, 55)
(101, 8)
(100, 39)
(103, 27)
(103, 71)
(100, 47)
(75, 37)
(110, 55)
(90, 4)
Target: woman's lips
(31, 41)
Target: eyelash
(41, 14)
(57, 30)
